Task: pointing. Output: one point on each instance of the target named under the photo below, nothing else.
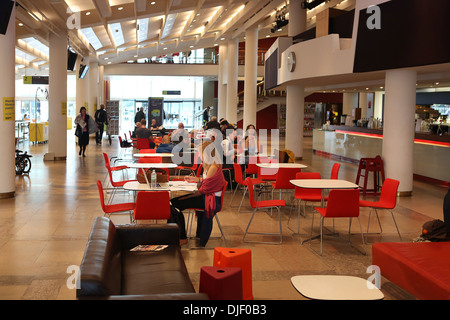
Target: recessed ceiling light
(152, 3)
(109, 62)
(268, 36)
(88, 13)
(20, 24)
(106, 58)
(120, 8)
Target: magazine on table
(149, 247)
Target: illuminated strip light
(116, 30)
(92, 38)
(143, 29)
(380, 136)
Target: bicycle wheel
(26, 162)
(19, 166)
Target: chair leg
(263, 233)
(396, 226)
(362, 236)
(220, 228)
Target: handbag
(78, 131)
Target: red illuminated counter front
(431, 152)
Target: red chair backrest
(107, 163)
(306, 192)
(284, 176)
(238, 177)
(152, 205)
(150, 160)
(102, 196)
(252, 168)
(251, 195)
(388, 197)
(223, 195)
(142, 143)
(335, 171)
(199, 170)
(147, 151)
(343, 203)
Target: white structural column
(57, 99)
(398, 131)
(93, 88)
(232, 81)
(251, 76)
(82, 90)
(350, 102)
(222, 83)
(295, 94)
(101, 86)
(7, 110)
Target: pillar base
(60, 158)
(7, 195)
(404, 193)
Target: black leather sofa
(109, 270)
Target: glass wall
(181, 96)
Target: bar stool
(374, 165)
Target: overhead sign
(35, 80)
(171, 93)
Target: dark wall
(271, 71)
(413, 33)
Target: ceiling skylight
(116, 30)
(92, 38)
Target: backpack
(434, 231)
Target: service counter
(431, 152)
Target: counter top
(418, 135)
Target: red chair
(192, 168)
(147, 151)
(114, 208)
(191, 216)
(283, 178)
(305, 195)
(112, 168)
(388, 201)
(115, 184)
(152, 160)
(238, 177)
(342, 203)
(123, 147)
(335, 171)
(152, 205)
(252, 168)
(265, 204)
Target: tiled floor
(43, 230)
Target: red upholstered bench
(422, 269)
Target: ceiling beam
(103, 8)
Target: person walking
(83, 123)
(139, 115)
(101, 118)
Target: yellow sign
(9, 109)
(27, 80)
(64, 108)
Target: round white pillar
(57, 100)
(232, 83)
(7, 117)
(295, 94)
(82, 90)
(295, 116)
(350, 102)
(93, 88)
(251, 76)
(222, 83)
(101, 85)
(398, 131)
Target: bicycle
(23, 162)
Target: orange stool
(221, 283)
(240, 258)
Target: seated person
(154, 126)
(137, 126)
(166, 145)
(145, 133)
(208, 196)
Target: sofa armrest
(133, 235)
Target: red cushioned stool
(221, 283)
(237, 258)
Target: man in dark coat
(101, 118)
